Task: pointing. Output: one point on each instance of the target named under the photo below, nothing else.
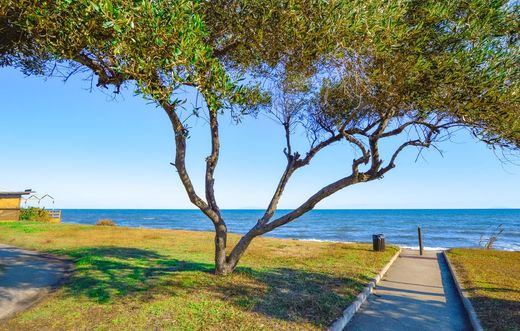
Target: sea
(441, 228)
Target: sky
(89, 150)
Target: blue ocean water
(442, 228)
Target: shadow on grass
(299, 295)
(497, 314)
(105, 274)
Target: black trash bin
(378, 242)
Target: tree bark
(221, 265)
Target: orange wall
(10, 208)
(7, 203)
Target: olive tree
(359, 72)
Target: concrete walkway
(25, 277)
(417, 293)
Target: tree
(361, 72)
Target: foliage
(16, 47)
(34, 214)
(105, 222)
(490, 279)
(159, 45)
(127, 278)
(422, 58)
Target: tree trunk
(224, 264)
(221, 265)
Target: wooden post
(420, 240)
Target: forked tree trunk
(226, 264)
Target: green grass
(492, 281)
(146, 279)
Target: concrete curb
(349, 312)
(475, 323)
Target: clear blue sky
(90, 151)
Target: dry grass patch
(491, 279)
(145, 279)
(105, 222)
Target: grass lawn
(149, 279)
(492, 281)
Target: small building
(10, 205)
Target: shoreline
(402, 246)
(426, 248)
(441, 229)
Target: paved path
(26, 276)
(417, 293)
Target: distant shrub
(34, 214)
(105, 222)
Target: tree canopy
(454, 58)
(158, 45)
(354, 71)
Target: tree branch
(425, 142)
(365, 156)
(289, 169)
(310, 203)
(373, 141)
(211, 161)
(180, 161)
(313, 151)
(239, 249)
(273, 204)
(106, 76)
(401, 128)
(376, 171)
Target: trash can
(378, 242)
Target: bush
(105, 222)
(34, 214)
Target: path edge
(472, 314)
(340, 323)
